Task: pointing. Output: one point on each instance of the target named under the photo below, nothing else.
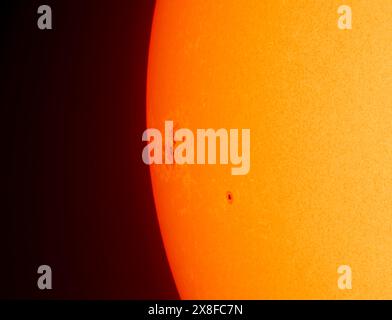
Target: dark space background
(75, 192)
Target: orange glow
(318, 101)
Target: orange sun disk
(318, 103)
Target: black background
(76, 195)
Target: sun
(318, 102)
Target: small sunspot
(229, 197)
